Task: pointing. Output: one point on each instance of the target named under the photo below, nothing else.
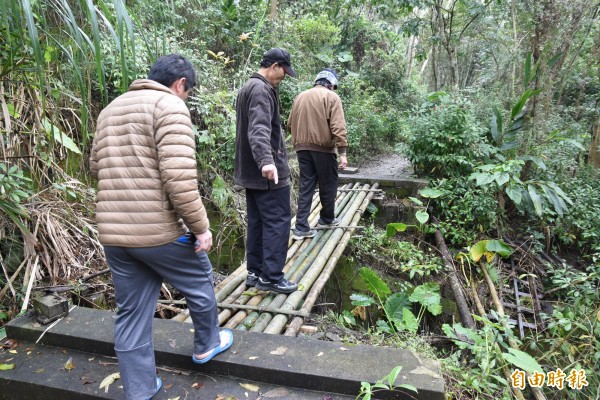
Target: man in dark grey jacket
(261, 166)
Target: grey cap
(329, 75)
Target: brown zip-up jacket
(317, 121)
(143, 156)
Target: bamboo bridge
(310, 262)
(281, 363)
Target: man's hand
(269, 171)
(343, 161)
(203, 241)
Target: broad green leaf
(431, 193)
(501, 178)
(518, 107)
(60, 137)
(514, 193)
(359, 299)
(478, 250)
(344, 56)
(483, 179)
(499, 247)
(557, 202)
(536, 199)
(559, 191)
(395, 303)
(374, 283)
(540, 164)
(409, 320)
(416, 201)
(428, 295)
(6, 367)
(408, 387)
(383, 326)
(422, 216)
(391, 229)
(522, 360)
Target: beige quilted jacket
(143, 156)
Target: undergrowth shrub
(464, 210)
(444, 137)
(581, 224)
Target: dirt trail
(386, 165)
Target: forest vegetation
(495, 102)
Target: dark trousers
(321, 168)
(137, 275)
(269, 220)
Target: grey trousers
(137, 275)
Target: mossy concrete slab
(40, 374)
(273, 359)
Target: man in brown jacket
(318, 134)
(151, 219)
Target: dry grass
(63, 247)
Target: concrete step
(298, 364)
(40, 374)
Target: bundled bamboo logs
(309, 262)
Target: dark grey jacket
(259, 136)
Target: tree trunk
(273, 14)
(595, 146)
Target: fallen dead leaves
(279, 351)
(106, 382)
(69, 365)
(6, 367)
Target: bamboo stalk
(30, 284)
(240, 315)
(461, 302)
(500, 309)
(294, 299)
(12, 278)
(516, 391)
(264, 319)
(318, 286)
(305, 261)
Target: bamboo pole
(516, 391)
(296, 324)
(500, 309)
(302, 263)
(237, 297)
(461, 302)
(264, 319)
(30, 285)
(294, 299)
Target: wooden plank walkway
(310, 262)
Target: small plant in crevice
(388, 383)
(396, 307)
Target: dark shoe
(323, 224)
(283, 286)
(251, 279)
(299, 235)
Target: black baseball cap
(281, 57)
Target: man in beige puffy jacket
(151, 219)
